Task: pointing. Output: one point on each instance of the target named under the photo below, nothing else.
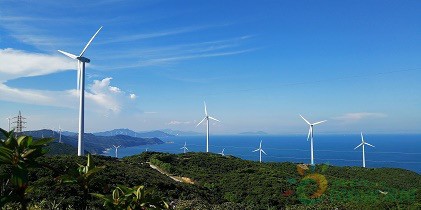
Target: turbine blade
(186, 148)
(206, 111)
(87, 45)
(70, 55)
(305, 120)
(362, 137)
(264, 152)
(309, 133)
(214, 119)
(319, 122)
(201, 121)
(369, 144)
(358, 146)
(256, 150)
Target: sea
(391, 150)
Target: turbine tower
(116, 150)
(207, 117)
(184, 147)
(260, 151)
(310, 135)
(222, 153)
(81, 61)
(362, 144)
(8, 120)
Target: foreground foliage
(17, 156)
(132, 198)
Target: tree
(82, 176)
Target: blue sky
(257, 64)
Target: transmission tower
(20, 123)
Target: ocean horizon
(391, 150)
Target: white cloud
(133, 96)
(17, 63)
(358, 116)
(175, 122)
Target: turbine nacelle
(83, 59)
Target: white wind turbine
(310, 136)
(116, 150)
(222, 153)
(362, 144)
(260, 151)
(59, 131)
(207, 117)
(184, 147)
(81, 86)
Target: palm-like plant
(83, 177)
(19, 154)
(136, 198)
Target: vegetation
(30, 179)
(17, 156)
(281, 185)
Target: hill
(281, 185)
(226, 182)
(96, 144)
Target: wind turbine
(362, 144)
(222, 153)
(81, 86)
(116, 150)
(184, 147)
(207, 117)
(310, 135)
(260, 150)
(59, 131)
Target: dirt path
(177, 179)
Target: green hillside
(228, 183)
(280, 185)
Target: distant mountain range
(94, 143)
(181, 133)
(128, 132)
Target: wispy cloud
(358, 116)
(140, 36)
(166, 60)
(175, 122)
(17, 63)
